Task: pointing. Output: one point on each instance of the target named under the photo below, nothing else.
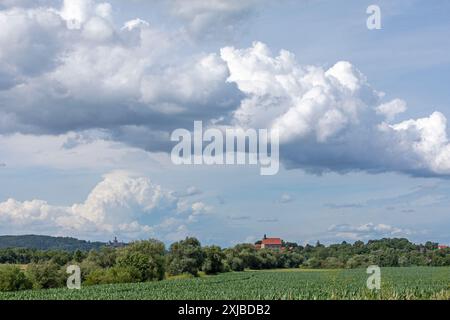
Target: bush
(237, 264)
(267, 259)
(185, 257)
(249, 256)
(145, 256)
(61, 258)
(104, 258)
(79, 256)
(312, 263)
(96, 277)
(46, 275)
(144, 265)
(87, 267)
(361, 261)
(13, 279)
(332, 263)
(124, 274)
(213, 260)
(295, 260)
(113, 275)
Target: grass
(397, 283)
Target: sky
(90, 92)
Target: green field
(397, 283)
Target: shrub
(332, 263)
(295, 260)
(87, 267)
(13, 279)
(145, 256)
(60, 258)
(113, 275)
(250, 257)
(185, 257)
(46, 275)
(79, 256)
(104, 258)
(267, 259)
(124, 275)
(96, 277)
(237, 264)
(312, 263)
(214, 257)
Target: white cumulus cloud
(122, 204)
(332, 119)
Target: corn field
(397, 283)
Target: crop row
(397, 283)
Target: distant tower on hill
(116, 244)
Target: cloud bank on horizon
(122, 204)
(368, 231)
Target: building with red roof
(270, 243)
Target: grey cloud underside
(132, 124)
(55, 79)
(73, 69)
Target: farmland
(291, 284)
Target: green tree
(79, 256)
(104, 258)
(214, 260)
(268, 259)
(145, 256)
(313, 263)
(13, 279)
(61, 258)
(237, 264)
(46, 275)
(87, 267)
(403, 261)
(112, 275)
(185, 256)
(332, 263)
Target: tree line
(149, 260)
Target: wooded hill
(48, 243)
